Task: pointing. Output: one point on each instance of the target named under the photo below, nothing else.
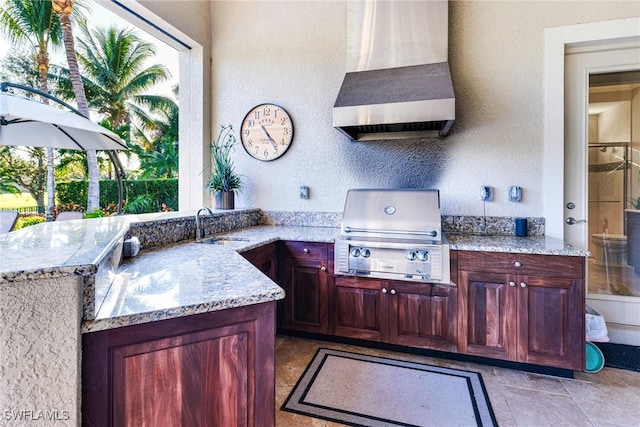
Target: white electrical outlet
(486, 193)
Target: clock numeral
(247, 132)
(251, 123)
(249, 142)
(266, 111)
(266, 153)
(283, 121)
(257, 115)
(285, 131)
(257, 148)
(283, 143)
(275, 114)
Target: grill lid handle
(431, 233)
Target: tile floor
(610, 397)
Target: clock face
(266, 132)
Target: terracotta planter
(224, 199)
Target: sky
(101, 17)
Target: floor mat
(361, 390)
(620, 356)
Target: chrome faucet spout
(199, 227)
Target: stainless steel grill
(393, 234)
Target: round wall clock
(266, 132)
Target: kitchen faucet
(198, 225)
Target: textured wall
(293, 54)
(39, 353)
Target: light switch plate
(304, 192)
(515, 193)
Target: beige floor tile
(519, 399)
(538, 409)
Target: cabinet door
(550, 326)
(306, 305)
(211, 369)
(360, 308)
(487, 314)
(423, 315)
(264, 259)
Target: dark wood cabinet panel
(265, 259)
(305, 279)
(360, 309)
(208, 369)
(521, 307)
(404, 313)
(550, 328)
(423, 315)
(487, 315)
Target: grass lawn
(16, 201)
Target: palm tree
(156, 137)
(34, 23)
(64, 9)
(114, 76)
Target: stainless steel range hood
(398, 83)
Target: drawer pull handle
(512, 284)
(384, 290)
(393, 291)
(323, 268)
(305, 250)
(518, 264)
(523, 285)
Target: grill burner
(393, 234)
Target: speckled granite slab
(180, 280)
(56, 249)
(541, 245)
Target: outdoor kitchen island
(50, 273)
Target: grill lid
(392, 214)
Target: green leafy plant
(142, 203)
(635, 203)
(223, 175)
(95, 213)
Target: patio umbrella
(26, 122)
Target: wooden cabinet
(360, 308)
(265, 259)
(307, 271)
(211, 369)
(522, 307)
(404, 313)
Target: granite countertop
(183, 278)
(190, 278)
(56, 249)
(540, 245)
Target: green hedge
(162, 190)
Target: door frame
(557, 39)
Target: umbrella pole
(120, 175)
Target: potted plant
(224, 180)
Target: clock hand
(269, 136)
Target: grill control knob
(355, 252)
(365, 253)
(411, 255)
(423, 255)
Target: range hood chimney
(398, 83)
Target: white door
(580, 62)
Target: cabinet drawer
(528, 264)
(306, 250)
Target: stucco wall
(40, 352)
(293, 54)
